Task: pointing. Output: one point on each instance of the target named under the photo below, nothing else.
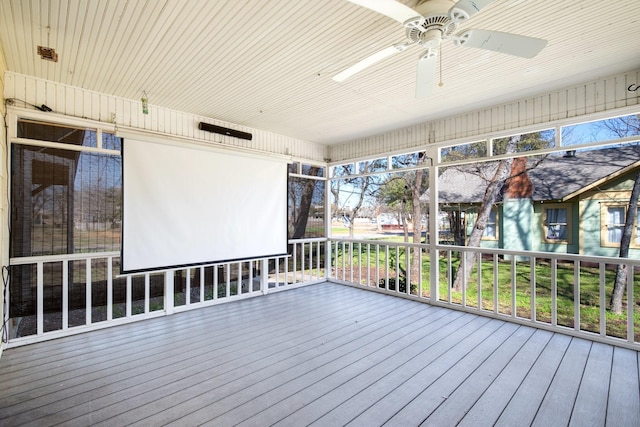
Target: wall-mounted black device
(224, 131)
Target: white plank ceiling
(268, 64)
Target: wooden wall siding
(78, 102)
(603, 95)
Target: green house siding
(590, 230)
(517, 224)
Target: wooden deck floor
(325, 355)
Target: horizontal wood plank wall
(607, 94)
(78, 102)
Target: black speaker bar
(224, 131)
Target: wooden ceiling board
(268, 63)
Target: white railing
(565, 293)
(561, 292)
(68, 294)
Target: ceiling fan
(433, 21)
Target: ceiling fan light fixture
(368, 61)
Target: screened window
(64, 202)
(306, 205)
(57, 133)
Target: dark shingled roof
(556, 177)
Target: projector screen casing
(190, 204)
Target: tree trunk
(300, 223)
(405, 222)
(490, 196)
(621, 271)
(354, 212)
(456, 227)
(416, 191)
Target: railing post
(110, 289)
(630, 303)
(434, 272)
(576, 295)
(40, 298)
(147, 288)
(328, 260)
(88, 292)
(603, 302)
(532, 280)
(65, 294)
(407, 264)
(264, 275)
(168, 292)
(128, 299)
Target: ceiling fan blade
(369, 61)
(391, 8)
(511, 44)
(426, 74)
(465, 9)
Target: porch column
(434, 272)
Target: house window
(556, 224)
(491, 229)
(615, 223)
(613, 218)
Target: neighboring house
(571, 203)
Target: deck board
(624, 395)
(447, 399)
(494, 398)
(323, 355)
(558, 403)
(591, 402)
(524, 403)
(388, 388)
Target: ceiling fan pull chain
(441, 83)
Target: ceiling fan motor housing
(436, 23)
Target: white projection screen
(186, 204)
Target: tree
(361, 187)
(496, 176)
(490, 196)
(301, 195)
(417, 181)
(393, 194)
(621, 271)
(408, 187)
